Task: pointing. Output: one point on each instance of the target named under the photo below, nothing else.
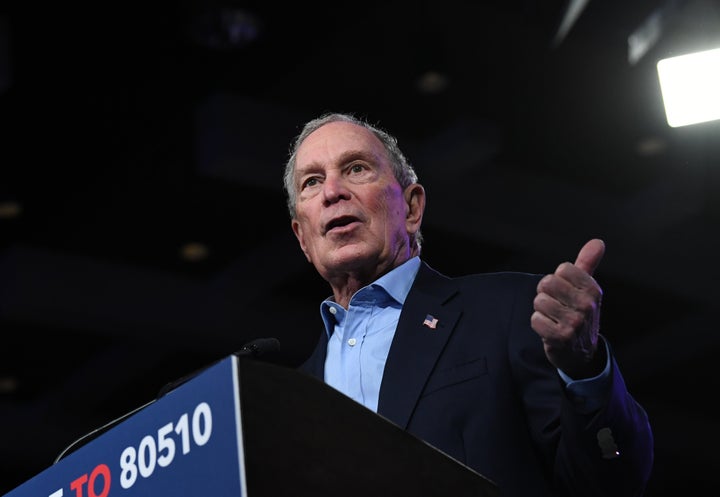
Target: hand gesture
(567, 314)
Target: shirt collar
(396, 283)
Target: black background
(129, 130)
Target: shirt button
(332, 310)
(352, 342)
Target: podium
(245, 428)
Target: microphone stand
(253, 349)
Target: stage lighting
(690, 86)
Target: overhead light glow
(194, 252)
(690, 86)
(10, 209)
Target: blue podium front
(187, 443)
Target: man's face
(351, 214)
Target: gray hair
(403, 171)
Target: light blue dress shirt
(359, 340)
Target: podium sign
(187, 443)
(295, 435)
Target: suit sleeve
(605, 452)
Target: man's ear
(415, 200)
(297, 229)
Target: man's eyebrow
(351, 155)
(345, 157)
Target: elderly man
(505, 372)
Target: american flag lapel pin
(430, 321)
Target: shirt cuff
(588, 394)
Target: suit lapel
(315, 364)
(416, 347)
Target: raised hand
(567, 314)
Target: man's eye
(309, 182)
(356, 168)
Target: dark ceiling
(129, 131)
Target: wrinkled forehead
(334, 142)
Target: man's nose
(335, 189)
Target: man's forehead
(337, 133)
(339, 144)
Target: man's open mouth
(340, 222)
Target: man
(505, 372)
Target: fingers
(590, 255)
(567, 311)
(543, 325)
(570, 286)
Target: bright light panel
(690, 86)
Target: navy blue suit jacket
(479, 388)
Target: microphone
(259, 347)
(254, 349)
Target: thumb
(590, 255)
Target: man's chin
(349, 257)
